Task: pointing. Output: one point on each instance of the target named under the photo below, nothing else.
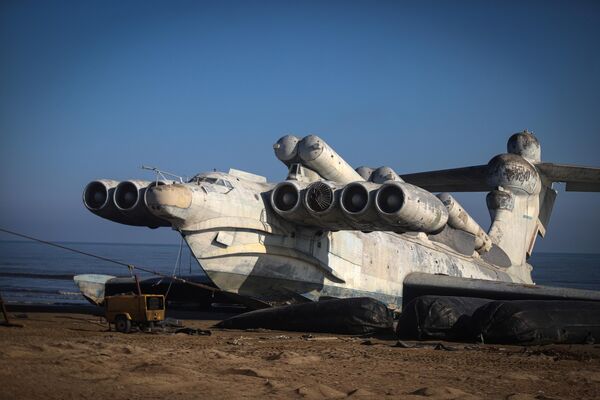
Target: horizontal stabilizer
(578, 179)
(467, 179)
(583, 187)
(569, 173)
(473, 179)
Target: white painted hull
(339, 264)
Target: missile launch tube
(384, 174)
(365, 172)
(458, 218)
(320, 157)
(410, 208)
(286, 149)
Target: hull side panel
(276, 267)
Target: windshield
(215, 181)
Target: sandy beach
(66, 355)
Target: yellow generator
(126, 310)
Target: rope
(177, 263)
(190, 259)
(129, 266)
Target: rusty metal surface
(168, 196)
(513, 171)
(526, 145)
(500, 200)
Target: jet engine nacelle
(357, 202)
(129, 199)
(121, 202)
(286, 200)
(98, 198)
(365, 206)
(322, 201)
(314, 204)
(410, 208)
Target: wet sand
(74, 356)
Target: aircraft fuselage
(244, 247)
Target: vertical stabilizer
(514, 222)
(514, 203)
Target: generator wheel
(122, 324)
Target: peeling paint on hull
(373, 264)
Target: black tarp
(179, 293)
(438, 317)
(538, 322)
(345, 316)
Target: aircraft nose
(162, 197)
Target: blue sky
(96, 88)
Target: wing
(467, 179)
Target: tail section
(514, 202)
(521, 196)
(515, 222)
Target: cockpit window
(226, 183)
(207, 179)
(215, 181)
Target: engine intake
(319, 197)
(129, 199)
(121, 202)
(355, 198)
(285, 198)
(357, 203)
(322, 200)
(97, 195)
(98, 198)
(128, 194)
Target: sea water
(32, 272)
